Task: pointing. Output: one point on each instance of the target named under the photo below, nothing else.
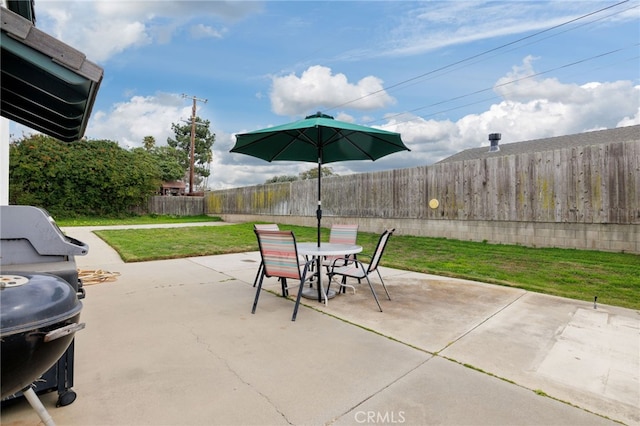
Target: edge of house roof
(598, 137)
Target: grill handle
(63, 331)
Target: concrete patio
(174, 343)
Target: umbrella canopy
(319, 138)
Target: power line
(601, 55)
(477, 102)
(486, 52)
(528, 44)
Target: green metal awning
(46, 84)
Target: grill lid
(33, 301)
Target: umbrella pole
(319, 211)
(319, 216)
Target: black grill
(31, 244)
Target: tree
(203, 144)
(313, 173)
(168, 160)
(282, 178)
(149, 142)
(309, 174)
(88, 177)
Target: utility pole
(193, 140)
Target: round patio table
(325, 249)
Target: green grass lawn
(579, 274)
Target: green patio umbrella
(319, 138)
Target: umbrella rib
(296, 135)
(365, 153)
(253, 142)
(346, 135)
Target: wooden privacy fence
(589, 184)
(596, 184)
(176, 205)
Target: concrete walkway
(174, 343)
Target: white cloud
(105, 28)
(317, 88)
(205, 31)
(342, 116)
(630, 120)
(521, 84)
(91, 27)
(436, 25)
(129, 122)
(562, 108)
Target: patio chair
(356, 269)
(263, 227)
(280, 259)
(341, 234)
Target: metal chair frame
(356, 269)
(342, 234)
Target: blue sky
(443, 74)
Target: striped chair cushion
(343, 234)
(279, 254)
(266, 226)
